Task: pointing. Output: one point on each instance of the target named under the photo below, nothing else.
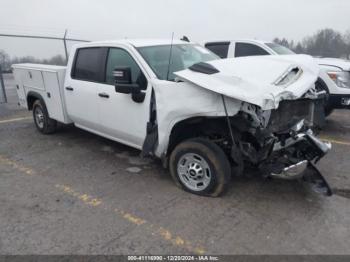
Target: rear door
(121, 117)
(82, 87)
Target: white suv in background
(334, 74)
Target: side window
(88, 64)
(220, 48)
(120, 58)
(244, 49)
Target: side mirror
(123, 81)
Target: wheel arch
(32, 97)
(328, 106)
(323, 84)
(193, 127)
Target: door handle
(69, 88)
(104, 95)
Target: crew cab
(334, 75)
(206, 118)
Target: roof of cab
(135, 42)
(240, 40)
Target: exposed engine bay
(280, 142)
(261, 111)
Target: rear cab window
(246, 49)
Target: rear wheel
(42, 121)
(200, 167)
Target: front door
(121, 117)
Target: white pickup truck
(205, 117)
(334, 74)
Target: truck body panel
(45, 81)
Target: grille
(290, 112)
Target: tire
(205, 168)
(321, 86)
(43, 122)
(328, 111)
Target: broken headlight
(340, 78)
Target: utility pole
(3, 98)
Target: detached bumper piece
(307, 173)
(311, 149)
(313, 178)
(292, 172)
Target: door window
(245, 49)
(220, 48)
(88, 64)
(118, 57)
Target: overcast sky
(198, 19)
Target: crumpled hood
(336, 62)
(252, 79)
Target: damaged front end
(281, 142)
(272, 128)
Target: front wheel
(200, 167)
(321, 86)
(42, 121)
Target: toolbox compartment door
(54, 100)
(32, 79)
(20, 88)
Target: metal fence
(3, 98)
(64, 39)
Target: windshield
(182, 57)
(279, 49)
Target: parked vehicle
(206, 118)
(338, 81)
(334, 75)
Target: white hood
(336, 62)
(251, 79)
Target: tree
(284, 42)
(299, 49)
(325, 43)
(347, 43)
(57, 60)
(5, 61)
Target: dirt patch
(342, 192)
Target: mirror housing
(123, 81)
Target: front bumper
(292, 172)
(304, 169)
(339, 101)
